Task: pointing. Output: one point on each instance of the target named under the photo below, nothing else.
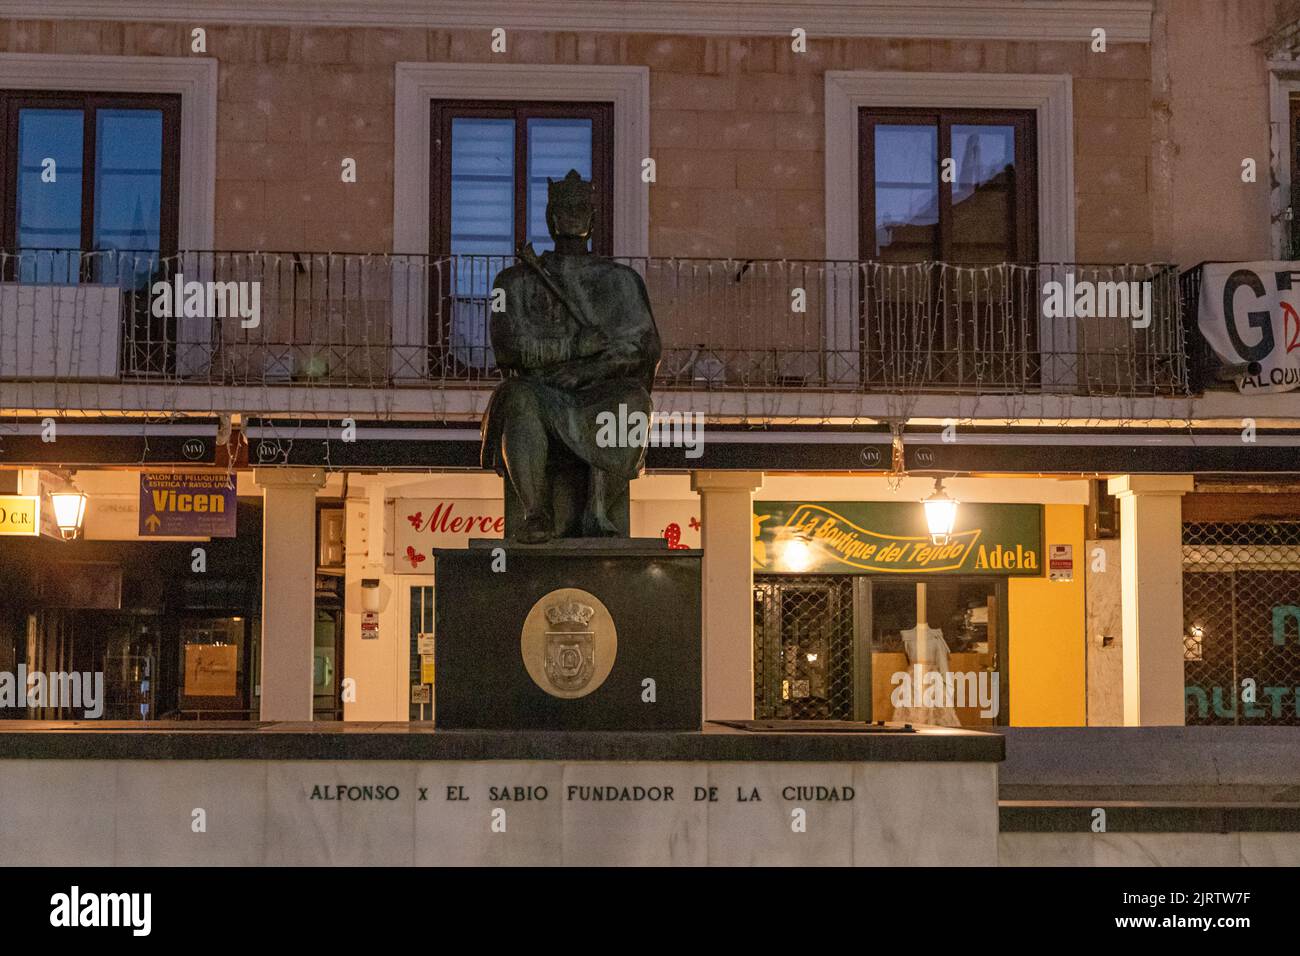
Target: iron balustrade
(382, 320)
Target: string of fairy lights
(380, 337)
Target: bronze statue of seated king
(574, 336)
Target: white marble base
(313, 813)
(461, 832)
(1149, 849)
(922, 814)
(57, 812)
(762, 833)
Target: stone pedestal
(576, 634)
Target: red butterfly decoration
(673, 534)
(416, 519)
(413, 556)
(695, 524)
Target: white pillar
(727, 535)
(288, 589)
(380, 667)
(1151, 559)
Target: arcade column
(727, 537)
(1151, 558)
(288, 589)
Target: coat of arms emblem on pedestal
(569, 643)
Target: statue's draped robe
(614, 336)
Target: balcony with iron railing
(392, 322)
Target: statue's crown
(571, 192)
(570, 612)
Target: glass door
(420, 628)
(326, 701)
(956, 676)
(949, 228)
(490, 165)
(130, 666)
(213, 660)
(89, 193)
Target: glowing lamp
(940, 514)
(69, 511)
(797, 555)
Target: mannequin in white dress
(936, 659)
(936, 648)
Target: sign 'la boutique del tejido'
(887, 537)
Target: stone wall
(736, 126)
(1212, 112)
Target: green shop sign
(886, 537)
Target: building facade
(1035, 254)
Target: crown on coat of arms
(570, 612)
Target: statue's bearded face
(570, 220)
(570, 207)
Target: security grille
(1241, 633)
(803, 647)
